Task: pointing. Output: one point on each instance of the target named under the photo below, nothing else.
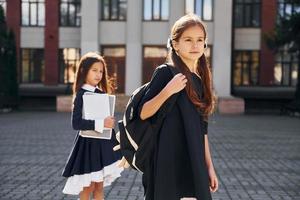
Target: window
(287, 8)
(286, 63)
(202, 8)
(247, 13)
(153, 57)
(156, 10)
(33, 66)
(285, 69)
(70, 13)
(33, 13)
(114, 10)
(115, 59)
(246, 66)
(68, 61)
(3, 4)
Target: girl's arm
(152, 106)
(78, 123)
(176, 84)
(213, 180)
(208, 159)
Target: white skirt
(107, 175)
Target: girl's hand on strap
(176, 84)
(109, 122)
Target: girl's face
(190, 45)
(94, 74)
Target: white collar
(89, 87)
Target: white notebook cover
(97, 106)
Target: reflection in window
(33, 67)
(70, 13)
(3, 4)
(114, 9)
(114, 51)
(246, 66)
(203, 8)
(285, 69)
(153, 57)
(286, 8)
(68, 63)
(156, 10)
(155, 52)
(33, 13)
(247, 13)
(115, 60)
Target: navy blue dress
(91, 159)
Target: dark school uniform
(178, 169)
(91, 159)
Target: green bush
(8, 65)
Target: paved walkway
(256, 157)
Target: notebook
(97, 106)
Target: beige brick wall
(231, 106)
(64, 103)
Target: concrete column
(222, 47)
(133, 75)
(176, 10)
(90, 12)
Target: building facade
(132, 35)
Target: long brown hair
(85, 64)
(207, 103)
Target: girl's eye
(187, 40)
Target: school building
(132, 35)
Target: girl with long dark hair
(182, 166)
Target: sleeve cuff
(99, 125)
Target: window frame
(252, 4)
(30, 65)
(285, 3)
(152, 12)
(144, 46)
(122, 89)
(282, 51)
(112, 46)
(202, 15)
(283, 63)
(29, 2)
(250, 63)
(102, 17)
(77, 14)
(67, 61)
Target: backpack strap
(173, 69)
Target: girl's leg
(98, 191)
(85, 194)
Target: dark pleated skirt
(91, 160)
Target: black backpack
(136, 136)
